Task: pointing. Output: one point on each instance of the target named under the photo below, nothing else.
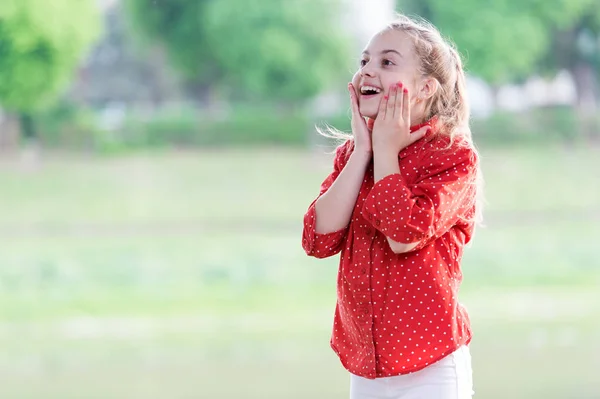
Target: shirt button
(377, 222)
(364, 270)
(368, 232)
(366, 311)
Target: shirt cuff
(319, 244)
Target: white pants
(449, 378)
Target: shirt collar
(431, 122)
(429, 134)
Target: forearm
(334, 208)
(385, 164)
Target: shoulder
(456, 149)
(443, 153)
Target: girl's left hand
(391, 130)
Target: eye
(387, 62)
(363, 62)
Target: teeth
(365, 89)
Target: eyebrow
(384, 52)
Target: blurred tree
(269, 49)
(501, 42)
(117, 71)
(41, 43)
(511, 39)
(575, 47)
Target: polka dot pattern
(399, 313)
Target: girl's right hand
(360, 129)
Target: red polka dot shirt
(398, 313)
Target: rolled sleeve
(428, 208)
(317, 244)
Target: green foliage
(244, 125)
(64, 125)
(67, 126)
(538, 126)
(503, 41)
(265, 49)
(562, 14)
(277, 49)
(486, 36)
(41, 43)
(177, 25)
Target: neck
(417, 115)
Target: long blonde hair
(440, 60)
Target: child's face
(388, 59)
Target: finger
(356, 115)
(392, 101)
(399, 102)
(405, 105)
(418, 134)
(382, 107)
(353, 99)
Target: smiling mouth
(369, 91)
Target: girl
(400, 205)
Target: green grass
(181, 275)
(262, 186)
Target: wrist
(385, 151)
(386, 162)
(360, 156)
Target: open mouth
(369, 91)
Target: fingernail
(399, 84)
(385, 97)
(405, 90)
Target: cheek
(393, 80)
(412, 87)
(389, 83)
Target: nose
(367, 70)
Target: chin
(369, 112)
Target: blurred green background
(157, 157)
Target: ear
(427, 88)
